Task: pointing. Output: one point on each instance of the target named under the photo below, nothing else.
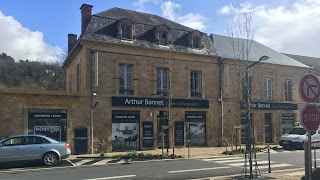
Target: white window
(267, 88)
(195, 83)
(162, 81)
(126, 79)
(287, 90)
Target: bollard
(269, 160)
(188, 148)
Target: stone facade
(16, 103)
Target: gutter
(220, 99)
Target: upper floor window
(126, 31)
(196, 42)
(267, 88)
(195, 83)
(195, 39)
(163, 38)
(126, 79)
(162, 81)
(287, 90)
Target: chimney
(72, 39)
(85, 16)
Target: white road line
(218, 159)
(202, 169)
(274, 166)
(113, 177)
(227, 161)
(83, 161)
(259, 163)
(73, 164)
(102, 162)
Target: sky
(37, 30)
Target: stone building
(150, 80)
(139, 81)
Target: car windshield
(299, 131)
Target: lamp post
(249, 131)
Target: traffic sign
(309, 88)
(310, 118)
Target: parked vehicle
(33, 147)
(295, 138)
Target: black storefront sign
(270, 106)
(179, 133)
(119, 116)
(158, 102)
(195, 116)
(147, 134)
(36, 115)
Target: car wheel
(50, 159)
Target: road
(168, 169)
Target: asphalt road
(169, 169)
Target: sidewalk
(210, 152)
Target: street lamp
(249, 131)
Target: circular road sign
(309, 88)
(310, 118)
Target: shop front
(126, 124)
(48, 122)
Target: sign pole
(309, 155)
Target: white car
(296, 137)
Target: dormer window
(162, 35)
(163, 38)
(195, 40)
(126, 29)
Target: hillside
(32, 75)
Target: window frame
(163, 81)
(165, 39)
(288, 90)
(196, 38)
(127, 87)
(267, 88)
(196, 83)
(126, 31)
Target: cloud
(21, 43)
(291, 28)
(141, 4)
(192, 20)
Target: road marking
(113, 177)
(122, 161)
(227, 161)
(83, 162)
(202, 169)
(259, 163)
(102, 162)
(274, 166)
(218, 159)
(73, 164)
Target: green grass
(242, 151)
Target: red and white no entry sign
(309, 88)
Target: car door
(34, 148)
(315, 139)
(11, 149)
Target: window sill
(127, 41)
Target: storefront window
(125, 130)
(48, 122)
(196, 128)
(287, 122)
